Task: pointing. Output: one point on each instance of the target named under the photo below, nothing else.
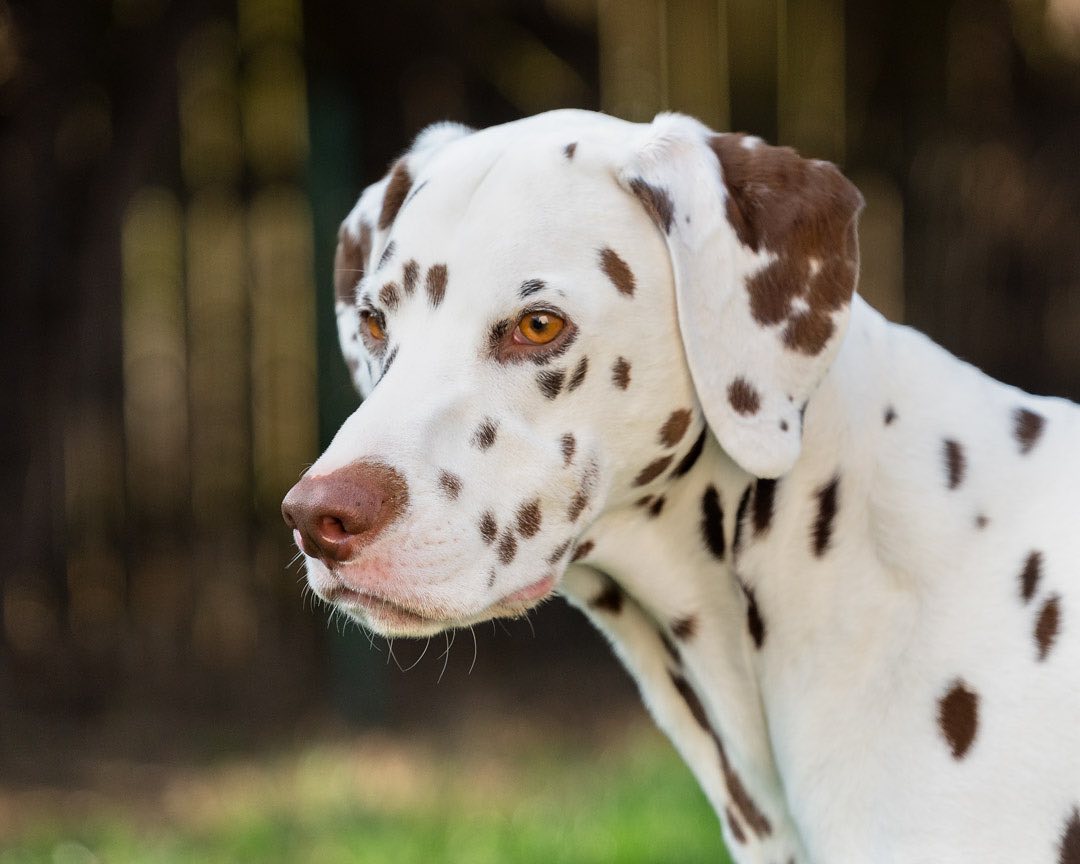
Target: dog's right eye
(373, 324)
(538, 328)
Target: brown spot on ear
(450, 483)
(618, 271)
(1028, 428)
(653, 470)
(559, 551)
(485, 434)
(671, 433)
(803, 211)
(410, 277)
(610, 599)
(734, 827)
(955, 463)
(507, 548)
(1069, 850)
(1046, 627)
(396, 190)
(691, 456)
(620, 373)
(579, 374)
(568, 444)
(656, 201)
(684, 628)
(488, 527)
(754, 622)
(1030, 575)
(712, 522)
(388, 295)
(582, 551)
(551, 382)
(764, 496)
(828, 504)
(744, 397)
(958, 717)
(350, 261)
(528, 518)
(568, 150)
(436, 283)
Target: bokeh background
(172, 173)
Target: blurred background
(172, 175)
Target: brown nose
(339, 513)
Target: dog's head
(543, 318)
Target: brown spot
(350, 261)
(583, 550)
(684, 628)
(507, 548)
(744, 397)
(827, 505)
(485, 433)
(1028, 428)
(764, 496)
(577, 504)
(688, 461)
(579, 374)
(1030, 575)
(955, 463)
(491, 578)
(740, 519)
(712, 522)
(981, 521)
(450, 483)
(671, 433)
(618, 271)
(890, 415)
(388, 295)
(958, 717)
(653, 470)
(1047, 625)
(568, 150)
(410, 277)
(550, 382)
(610, 599)
(656, 507)
(1069, 850)
(497, 334)
(488, 527)
(436, 283)
(528, 518)
(530, 287)
(644, 501)
(734, 827)
(560, 550)
(690, 697)
(657, 203)
(568, 444)
(754, 622)
(803, 211)
(396, 190)
(620, 373)
(389, 361)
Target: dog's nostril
(333, 529)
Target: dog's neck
(697, 584)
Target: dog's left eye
(538, 328)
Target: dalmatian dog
(626, 363)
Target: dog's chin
(395, 619)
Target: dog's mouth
(395, 618)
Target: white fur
(832, 725)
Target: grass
(379, 799)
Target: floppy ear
(363, 237)
(765, 259)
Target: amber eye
(538, 328)
(373, 326)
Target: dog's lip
(378, 606)
(530, 593)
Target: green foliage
(636, 805)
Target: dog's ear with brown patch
(364, 235)
(765, 258)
